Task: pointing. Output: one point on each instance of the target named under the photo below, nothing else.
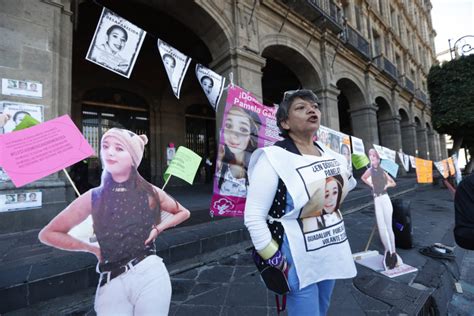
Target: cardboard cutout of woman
(379, 180)
(126, 212)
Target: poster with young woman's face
(211, 83)
(17, 112)
(247, 125)
(320, 219)
(116, 43)
(176, 64)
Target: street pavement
(223, 280)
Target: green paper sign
(27, 122)
(184, 165)
(359, 161)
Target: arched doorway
(421, 139)
(189, 28)
(286, 69)
(354, 116)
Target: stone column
(390, 133)
(329, 108)
(422, 141)
(409, 143)
(364, 124)
(433, 155)
(442, 145)
(36, 45)
(246, 67)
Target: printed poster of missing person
(116, 44)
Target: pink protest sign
(41, 150)
(247, 125)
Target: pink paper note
(38, 151)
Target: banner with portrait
(246, 125)
(413, 162)
(176, 64)
(452, 170)
(458, 169)
(116, 43)
(211, 83)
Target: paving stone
(246, 295)
(186, 310)
(216, 274)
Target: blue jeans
(312, 300)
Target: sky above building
(452, 19)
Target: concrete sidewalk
(31, 280)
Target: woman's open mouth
(313, 119)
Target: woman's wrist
(269, 250)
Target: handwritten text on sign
(41, 150)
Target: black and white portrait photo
(116, 43)
(212, 84)
(176, 64)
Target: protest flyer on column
(337, 142)
(247, 125)
(17, 112)
(176, 64)
(38, 151)
(22, 88)
(211, 83)
(116, 43)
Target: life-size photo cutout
(247, 125)
(176, 64)
(211, 83)
(128, 213)
(116, 43)
(379, 181)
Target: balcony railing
(387, 67)
(357, 42)
(409, 85)
(321, 13)
(421, 96)
(390, 68)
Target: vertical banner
(211, 83)
(413, 162)
(452, 170)
(424, 170)
(116, 43)
(458, 169)
(442, 167)
(357, 146)
(405, 159)
(246, 126)
(176, 64)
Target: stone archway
(353, 110)
(193, 29)
(286, 69)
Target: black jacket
(464, 213)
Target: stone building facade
(366, 59)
